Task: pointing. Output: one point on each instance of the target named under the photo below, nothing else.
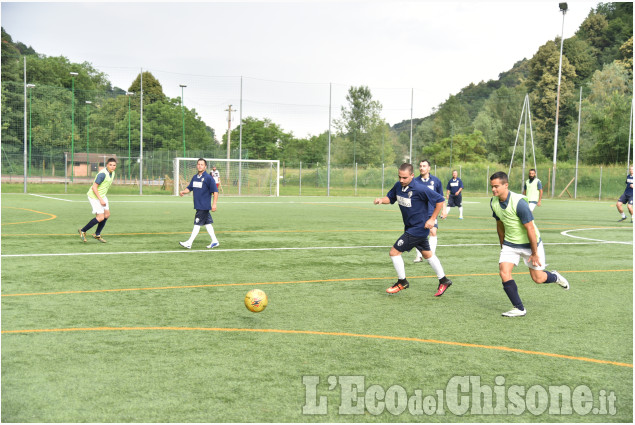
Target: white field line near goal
(311, 248)
(566, 233)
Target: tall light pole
(30, 86)
(183, 116)
(563, 9)
(88, 103)
(129, 93)
(73, 75)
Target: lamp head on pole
(182, 85)
(74, 74)
(30, 86)
(88, 102)
(563, 7)
(129, 93)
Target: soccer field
(142, 330)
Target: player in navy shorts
(414, 201)
(455, 195)
(627, 197)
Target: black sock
(512, 293)
(551, 277)
(100, 226)
(90, 224)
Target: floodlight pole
(25, 137)
(577, 150)
(563, 9)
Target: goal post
(260, 177)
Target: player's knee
(393, 252)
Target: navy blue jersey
(433, 183)
(454, 185)
(414, 201)
(202, 188)
(629, 182)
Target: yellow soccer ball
(256, 300)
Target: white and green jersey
(104, 181)
(514, 213)
(532, 189)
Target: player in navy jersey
(434, 184)
(455, 195)
(204, 188)
(627, 197)
(414, 201)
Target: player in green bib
(99, 201)
(533, 190)
(519, 237)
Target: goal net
(237, 176)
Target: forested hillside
(480, 122)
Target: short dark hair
(501, 175)
(532, 169)
(111, 160)
(425, 160)
(202, 159)
(406, 167)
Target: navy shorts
(202, 218)
(626, 199)
(406, 242)
(455, 200)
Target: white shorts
(532, 206)
(513, 255)
(98, 208)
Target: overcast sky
(289, 52)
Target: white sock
(195, 231)
(436, 266)
(432, 240)
(210, 230)
(397, 261)
(447, 212)
(623, 215)
(418, 254)
(460, 211)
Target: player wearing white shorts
(99, 201)
(519, 238)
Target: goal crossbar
(237, 176)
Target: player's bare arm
(96, 192)
(500, 229)
(384, 200)
(437, 208)
(533, 242)
(184, 192)
(214, 201)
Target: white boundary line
(261, 249)
(566, 233)
(50, 197)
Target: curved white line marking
(566, 233)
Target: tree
(606, 114)
(362, 130)
(262, 139)
(543, 86)
(462, 148)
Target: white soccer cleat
(185, 245)
(213, 245)
(417, 260)
(561, 280)
(515, 313)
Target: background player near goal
(240, 177)
(216, 174)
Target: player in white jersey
(216, 176)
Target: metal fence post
(300, 184)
